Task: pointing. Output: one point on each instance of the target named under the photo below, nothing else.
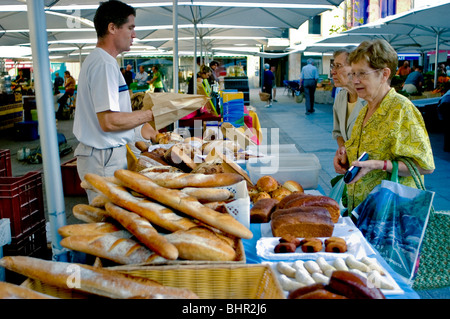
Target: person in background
(308, 79)
(268, 83)
(404, 70)
(156, 81)
(69, 87)
(414, 81)
(204, 73)
(274, 83)
(388, 128)
(104, 121)
(20, 78)
(347, 104)
(128, 74)
(59, 81)
(141, 76)
(213, 65)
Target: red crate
(71, 180)
(5, 163)
(21, 200)
(34, 243)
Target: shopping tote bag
(393, 218)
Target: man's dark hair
(213, 62)
(111, 11)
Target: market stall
(183, 215)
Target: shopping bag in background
(393, 218)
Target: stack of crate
(22, 202)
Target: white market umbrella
(428, 22)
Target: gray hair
(345, 51)
(310, 61)
(266, 66)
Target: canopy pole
(175, 51)
(194, 74)
(47, 128)
(436, 59)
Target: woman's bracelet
(385, 165)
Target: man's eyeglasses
(361, 75)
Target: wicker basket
(207, 281)
(264, 96)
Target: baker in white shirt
(104, 121)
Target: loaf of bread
(99, 201)
(184, 203)
(208, 194)
(89, 214)
(154, 212)
(93, 280)
(298, 223)
(262, 209)
(182, 180)
(125, 251)
(352, 286)
(304, 200)
(88, 229)
(11, 291)
(201, 243)
(280, 193)
(143, 231)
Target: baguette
(183, 202)
(181, 180)
(93, 280)
(11, 291)
(154, 212)
(204, 194)
(89, 214)
(143, 231)
(124, 251)
(201, 243)
(88, 229)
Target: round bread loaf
(267, 184)
(293, 186)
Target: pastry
(285, 248)
(293, 186)
(335, 245)
(311, 245)
(280, 193)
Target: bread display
(92, 280)
(300, 223)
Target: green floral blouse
(395, 130)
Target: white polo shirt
(101, 87)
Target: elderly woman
(388, 128)
(347, 104)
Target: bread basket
(220, 281)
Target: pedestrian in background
(308, 79)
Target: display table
(252, 257)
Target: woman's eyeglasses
(336, 66)
(361, 75)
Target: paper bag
(170, 107)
